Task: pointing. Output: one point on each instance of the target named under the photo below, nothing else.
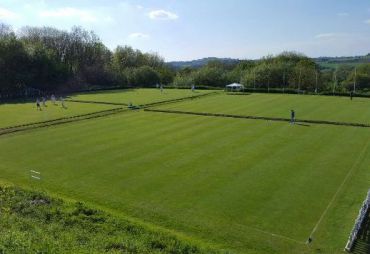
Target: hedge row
(295, 91)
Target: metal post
(254, 79)
(299, 79)
(354, 82)
(335, 81)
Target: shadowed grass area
(251, 186)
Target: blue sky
(190, 29)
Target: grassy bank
(33, 222)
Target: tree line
(46, 60)
(286, 71)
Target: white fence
(35, 175)
(360, 218)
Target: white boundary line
(275, 235)
(354, 166)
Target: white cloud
(163, 15)
(108, 19)
(329, 35)
(139, 36)
(139, 7)
(68, 12)
(343, 14)
(6, 14)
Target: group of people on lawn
(53, 100)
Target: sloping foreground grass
(137, 96)
(33, 222)
(307, 107)
(252, 186)
(24, 113)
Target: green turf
(23, 113)
(137, 96)
(249, 186)
(340, 109)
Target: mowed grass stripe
(212, 178)
(325, 108)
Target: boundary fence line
(358, 223)
(260, 118)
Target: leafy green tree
(210, 76)
(144, 76)
(166, 75)
(361, 76)
(45, 72)
(14, 66)
(183, 80)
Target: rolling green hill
(324, 62)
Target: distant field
(340, 109)
(245, 185)
(137, 96)
(22, 113)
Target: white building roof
(234, 85)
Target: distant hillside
(333, 62)
(324, 62)
(201, 62)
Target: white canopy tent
(234, 87)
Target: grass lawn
(245, 185)
(137, 96)
(340, 109)
(22, 113)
